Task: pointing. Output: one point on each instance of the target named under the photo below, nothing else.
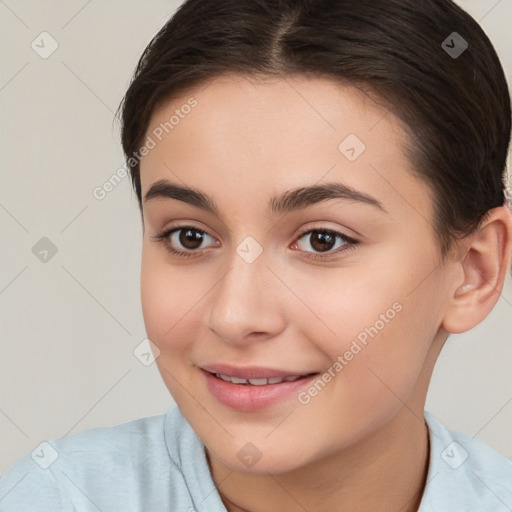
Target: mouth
(253, 389)
(261, 381)
(254, 375)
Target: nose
(246, 305)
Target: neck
(386, 471)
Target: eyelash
(350, 243)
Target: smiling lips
(254, 375)
(252, 388)
(257, 382)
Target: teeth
(236, 380)
(257, 382)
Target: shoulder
(104, 464)
(465, 473)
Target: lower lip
(249, 398)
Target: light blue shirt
(159, 464)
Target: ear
(485, 262)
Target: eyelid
(163, 238)
(349, 244)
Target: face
(259, 277)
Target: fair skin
(361, 442)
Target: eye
(320, 241)
(189, 241)
(184, 240)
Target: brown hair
(456, 107)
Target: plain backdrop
(70, 324)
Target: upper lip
(251, 372)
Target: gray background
(69, 325)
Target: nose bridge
(243, 301)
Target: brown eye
(187, 239)
(321, 241)
(190, 238)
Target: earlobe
(485, 265)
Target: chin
(268, 460)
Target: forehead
(255, 136)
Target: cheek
(373, 330)
(348, 304)
(168, 296)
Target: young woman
(322, 192)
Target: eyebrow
(289, 201)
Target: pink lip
(249, 398)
